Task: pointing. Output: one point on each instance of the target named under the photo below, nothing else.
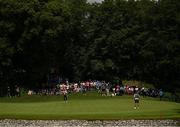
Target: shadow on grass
(177, 110)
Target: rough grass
(137, 83)
(91, 106)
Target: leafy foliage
(116, 38)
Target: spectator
(17, 89)
(161, 94)
(65, 93)
(8, 92)
(122, 90)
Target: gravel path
(85, 123)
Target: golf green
(90, 107)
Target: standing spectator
(136, 100)
(8, 92)
(117, 90)
(65, 93)
(121, 90)
(160, 94)
(114, 91)
(143, 91)
(107, 89)
(103, 89)
(84, 88)
(17, 91)
(136, 89)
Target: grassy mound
(137, 83)
(91, 106)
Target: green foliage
(113, 39)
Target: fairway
(90, 107)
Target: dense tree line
(116, 39)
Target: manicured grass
(91, 106)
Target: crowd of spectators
(102, 87)
(13, 91)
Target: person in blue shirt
(161, 94)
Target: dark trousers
(65, 97)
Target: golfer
(136, 100)
(65, 92)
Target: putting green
(91, 106)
